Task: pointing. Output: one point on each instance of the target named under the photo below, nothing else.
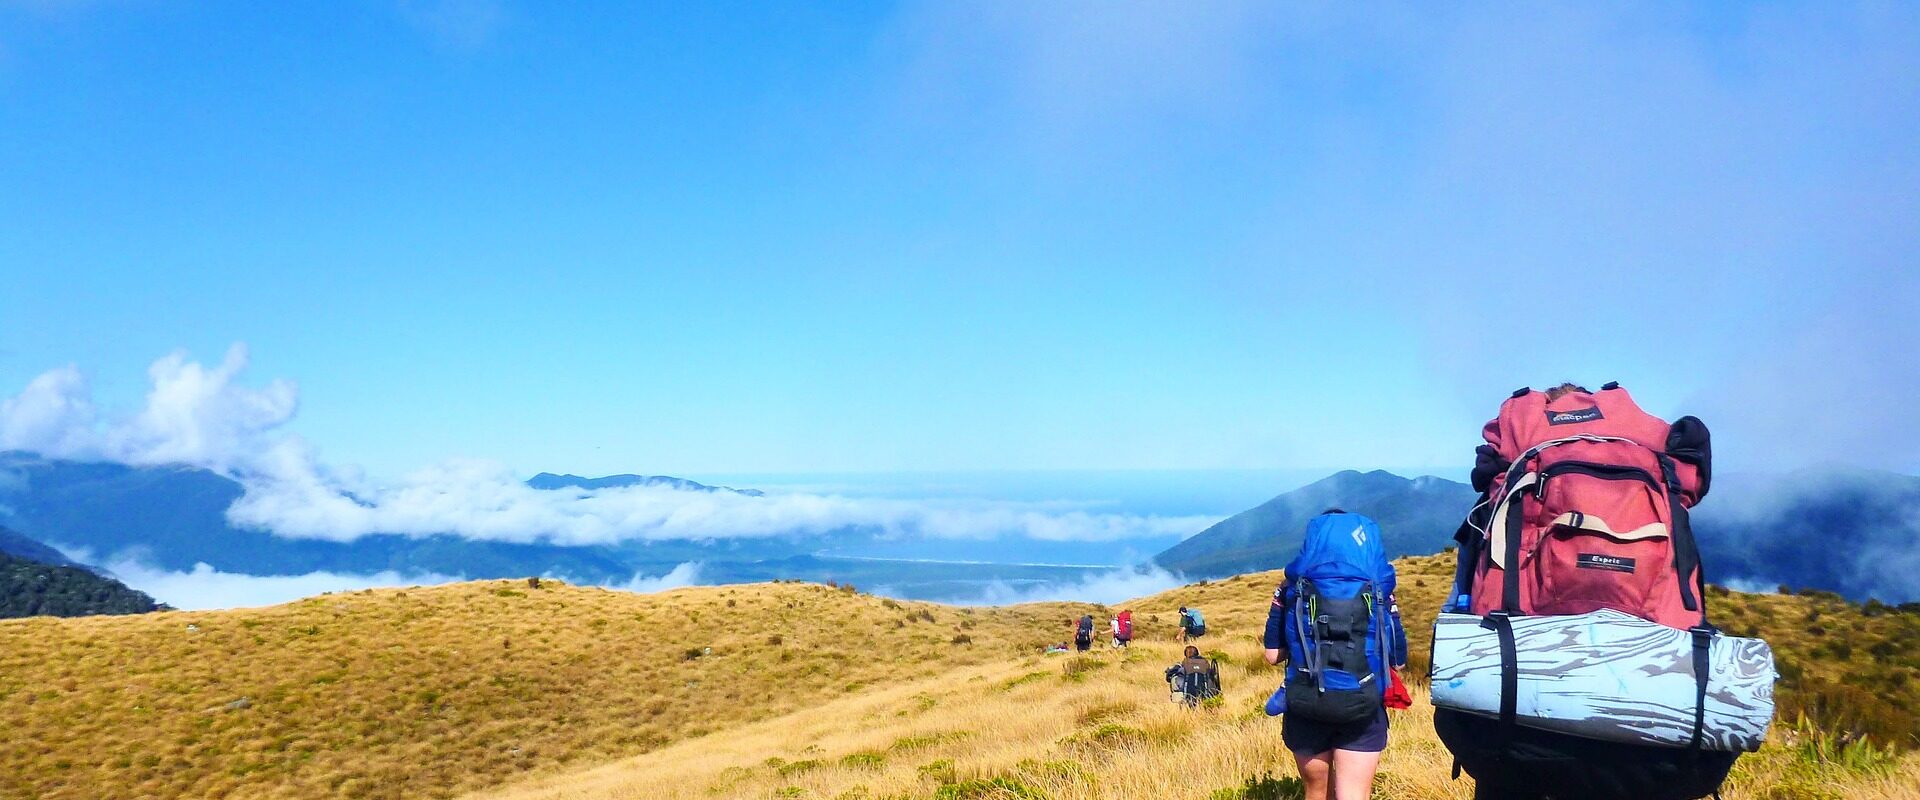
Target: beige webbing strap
(1497, 525)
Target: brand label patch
(1608, 563)
(1574, 416)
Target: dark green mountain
(1416, 516)
(30, 588)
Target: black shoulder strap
(1686, 551)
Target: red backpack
(1126, 624)
(1585, 507)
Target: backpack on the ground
(1574, 651)
(1194, 680)
(1339, 622)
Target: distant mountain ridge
(1856, 532)
(174, 517)
(549, 481)
(1851, 531)
(1416, 515)
(13, 543)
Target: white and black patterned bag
(1609, 676)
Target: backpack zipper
(1609, 472)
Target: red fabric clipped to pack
(1397, 694)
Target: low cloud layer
(1101, 587)
(204, 587)
(687, 574)
(205, 417)
(1788, 519)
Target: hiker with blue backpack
(1335, 623)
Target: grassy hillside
(774, 690)
(1073, 728)
(426, 692)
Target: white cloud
(207, 588)
(193, 414)
(483, 500)
(1110, 587)
(198, 415)
(205, 417)
(686, 574)
(53, 415)
(1750, 586)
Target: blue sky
(732, 239)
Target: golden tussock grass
(768, 690)
(429, 692)
(1040, 726)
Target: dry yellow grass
(428, 692)
(565, 692)
(983, 732)
(1027, 728)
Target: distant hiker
(1192, 625)
(1123, 629)
(1194, 679)
(1083, 634)
(1336, 624)
(1579, 562)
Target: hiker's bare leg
(1314, 769)
(1353, 774)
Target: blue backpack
(1339, 625)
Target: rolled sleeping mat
(1608, 676)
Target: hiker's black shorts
(1303, 735)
